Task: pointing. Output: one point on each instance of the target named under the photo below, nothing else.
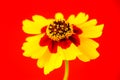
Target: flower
(58, 39)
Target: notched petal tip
(82, 14)
(101, 26)
(81, 18)
(46, 72)
(95, 56)
(91, 29)
(38, 18)
(88, 58)
(91, 22)
(25, 23)
(30, 27)
(23, 46)
(99, 30)
(26, 54)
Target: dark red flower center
(59, 30)
(60, 33)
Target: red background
(14, 66)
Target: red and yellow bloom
(58, 39)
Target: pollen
(59, 29)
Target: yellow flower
(56, 40)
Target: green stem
(66, 70)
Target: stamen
(59, 29)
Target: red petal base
(75, 39)
(64, 43)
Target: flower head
(59, 39)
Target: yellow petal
(59, 16)
(83, 58)
(32, 48)
(41, 21)
(89, 23)
(92, 31)
(81, 18)
(88, 48)
(42, 61)
(34, 27)
(71, 19)
(54, 62)
(59, 55)
(61, 52)
(71, 53)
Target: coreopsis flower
(59, 39)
